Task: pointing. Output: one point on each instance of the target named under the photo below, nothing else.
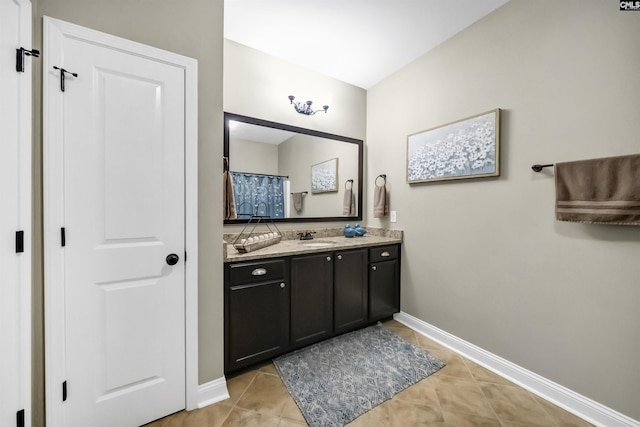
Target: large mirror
(290, 174)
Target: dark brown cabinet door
(256, 314)
(384, 289)
(351, 290)
(311, 298)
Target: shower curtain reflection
(258, 195)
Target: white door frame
(16, 112)
(54, 32)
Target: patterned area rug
(335, 381)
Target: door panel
(351, 298)
(311, 298)
(123, 127)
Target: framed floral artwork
(467, 148)
(324, 176)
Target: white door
(15, 215)
(115, 220)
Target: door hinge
(20, 53)
(185, 256)
(63, 72)
(63, 237)
(20, 418)
(19, 241)
(64, 391)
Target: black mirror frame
(275, 125)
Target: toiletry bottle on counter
(349, 231)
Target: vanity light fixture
(305, 108)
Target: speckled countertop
(291, 245)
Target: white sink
(317, 244)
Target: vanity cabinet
(281, 304)
(350, 289)
(256, 312)
(384, 281)
(311, 298)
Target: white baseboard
(212, 392)
(581, 406)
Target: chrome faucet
(307, 235)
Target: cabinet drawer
(252, 272)
(383, 253)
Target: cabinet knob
(328, 258)
(282, 285)
(339, 256)
(374, 268)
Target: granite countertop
(375, 237)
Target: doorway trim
(54, 32)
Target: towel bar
(303, 193)
(538, 168)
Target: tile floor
(461, 394)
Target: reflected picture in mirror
(290, 174)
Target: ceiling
(359, 42)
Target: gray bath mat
(336, 381)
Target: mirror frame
(282, 126)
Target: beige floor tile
(403, 414)
(269, 368)
(238, 385)
(515, 404)
(455, 366)
(392, 323)
(482, 374)
(266, 394)
(423, 393)
(177, 420)
(292, 412)
(290, 423)
(462, 396)
(243, 418)
(467, 420)
(377, 417)
(209, 416)
(158, 423)
(560, 416)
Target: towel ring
(383, 176)
(347, 182)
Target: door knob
(172, 259)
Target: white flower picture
(468, 148)
(324, 176)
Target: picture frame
(324, 176)
(466, 148)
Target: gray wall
(193, 29)
(484, 259)
(250, 156)
(299, 153)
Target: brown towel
(599, 191)
(297, 201)
(380, 206)
(228, 204)
(348, 204)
